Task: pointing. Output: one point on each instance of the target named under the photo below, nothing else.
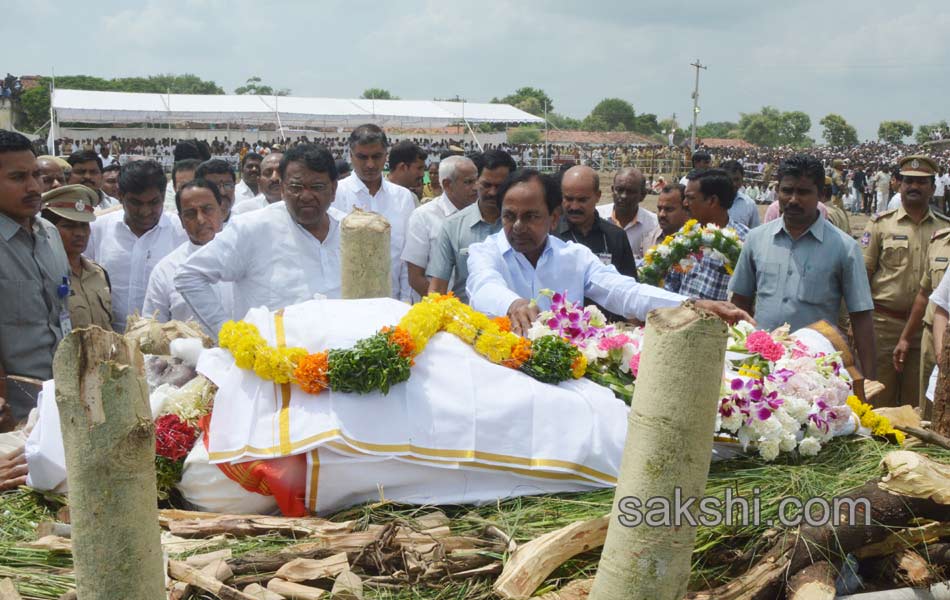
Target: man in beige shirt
(629, 189)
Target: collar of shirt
(633, 222)
(817, 229)
(9, 227)
(504, 247)
(901, 213)
(443, 202)
(564, 226)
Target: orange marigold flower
(503, 323)
(520, 353)
(312, 371)
(402, 338)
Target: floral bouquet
(681, 251)
(177, 430)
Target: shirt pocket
(895, 253)
(24, 304)
(938, 266)
(815, 286)
(767, 277)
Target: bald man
(629, 189)
(52, 173)
(580, 223)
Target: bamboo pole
(109, 442)
(364, 255)
(667, 454)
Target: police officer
(895, 254)
(938, 258)
(71, 210)
(839, 183)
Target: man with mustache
(671, 213)
(407, 167)
(201, 213)
(799, 268)
(895, 250)
(87, 171)
(268, 184)
(34, 265)
(629, 189)
(248, 187)
(52, 172)
(449, 260)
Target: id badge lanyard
(65, 323)
(605, 257)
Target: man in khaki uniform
(895, 255)
(938, 258)
(839, 184)
(836, 216)
(71, 210)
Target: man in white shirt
(268, 184)
(702, 160)
(407, 167)
(510, 268)
(629, 189)
(283, 254)
(129, 243)
(367, 189)
(743, 209)
(247, 188)
(219, 173)
(458, 176)
(202, 217)
(940, 182)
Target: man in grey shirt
(743, 209)
(469, 226)
(33, 266)
(797, 269)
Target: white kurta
(271, 260)
(392, 201)
(162, 299)
(249, 205)
(129, 259)
(242, 192)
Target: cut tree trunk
(109, 442)
(941, 412)
(814, 582)
(666, 455)
(906, 568)
(365, 256)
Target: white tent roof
(290, 111)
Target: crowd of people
(88, 241)
(10, 88)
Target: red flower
(174, 438)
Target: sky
(865, 60)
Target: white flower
(809, 446)
(768, 449)
(788, 443)
(708, 238)
(663, 251)
(592, 353)
(730, 234)
(597, 318)
(539, 329)
(687, 263)
(628, 351)
(733, 422)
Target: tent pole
(51, 141)
(474, 137)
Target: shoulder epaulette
(941, 216)
(940, 233)
(878, 216)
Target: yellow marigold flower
(495, 345)
(277, 364)
(750, 371)
(463, 330)
(579, 366)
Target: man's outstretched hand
(522, 314)
(12, 470)
(727, 311)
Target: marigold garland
(681, 251)
(382, 360)
(879, 425)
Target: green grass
(840, 466)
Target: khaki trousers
(900, 388)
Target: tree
(718, 129)
(378, 94)
(647, 124)
(34, 103)
(667, 125)
(772, 127)
(612, 114)
(894, 132)
(254, 87)
(837, 131)
(528, 99)
(524, 135)
(926, 133)
(560, 121)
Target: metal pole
(692, 136)
(545, 157)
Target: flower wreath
(382, 360)
(681, 251)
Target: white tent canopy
(284, 111)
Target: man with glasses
(219, 173)
(629, 189)
(288, 253)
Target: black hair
(314, 156)
(11, 141)
(365, 135)
(215, 166)
(140, 175)
(251, 156)
(701, 155)
(202, 184)
(494, 158)
(188, 164)
(552, 191)
(342, 167)
(802, 165)
(478, 159)
(675, 187)
(113, 167)
(404, 152)
(732, 167)
(84, 156)
(50, 216)
(715, 182)
(192, 149)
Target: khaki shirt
(895, 253)
(90, 297)
(32, 267)
(938, 258)
(838, 218)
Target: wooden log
(348, 586)
(218, 569)
(365, 256)
(8, 590)
(200, 561)
(814, 582)
(46, 528)
(905, 538)
(940, 422)
(916, 475)
(905, 568)
(260, 593)
(109, 443)
(924, 435)
(666, 456)
(579, 589)
(242, 526)
(533, 562)
(182, 572)
(937, 555)
(179, 591)
(305, 569)
(295, 591)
